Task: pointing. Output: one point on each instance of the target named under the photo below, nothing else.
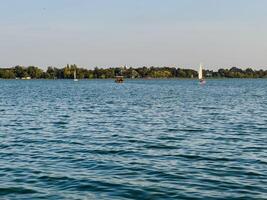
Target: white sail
(74, 76)
(200, 75)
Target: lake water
(143, 139)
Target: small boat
(26, 78)
(74, 76)
(200, 75)
(119, 79)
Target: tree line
(67, 72)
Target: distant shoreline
(148, 79)
(71, 71)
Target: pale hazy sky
(218, 33)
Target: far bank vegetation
(67, 72)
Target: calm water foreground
(144, 139)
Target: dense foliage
(141, 72)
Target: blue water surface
(143, 139)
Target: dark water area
(143, 139)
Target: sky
(110, 33)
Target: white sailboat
(200, 75)
(74, 76)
